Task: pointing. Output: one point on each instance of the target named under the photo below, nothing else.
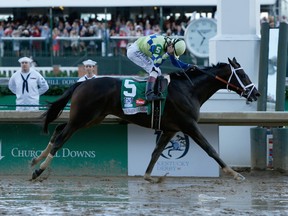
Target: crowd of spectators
(273, 21)
(71, 37)
(66, 36)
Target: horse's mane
(196, 71)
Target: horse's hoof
(37, 173)
(239, 177)
(149, 178)
(155, 181)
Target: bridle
(245, 90)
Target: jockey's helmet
(179, 46)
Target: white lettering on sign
(15, 152)
(53, 82)
(68, 82)
(129, 84)
(65, 152)
(83, 154)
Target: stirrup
(153, 97)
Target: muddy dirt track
(262, 193)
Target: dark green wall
(100, 150)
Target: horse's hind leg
(60, 139)
(161, 143)
(45, 153)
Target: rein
(243, 89)
(183, 71)
(228, 82)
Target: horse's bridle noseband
(245, 90)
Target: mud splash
(262, 193)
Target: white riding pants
(140, 59)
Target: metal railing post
(263, 67)
(281, 66)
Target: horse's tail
(55, 108)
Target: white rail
(255, 118)
(8, 71)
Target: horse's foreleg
(205, 145)
(165, 137)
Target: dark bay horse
(93, 100)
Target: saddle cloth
(133, 95)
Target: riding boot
(150, 95)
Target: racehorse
(93, 100)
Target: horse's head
(242, 82)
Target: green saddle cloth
(133, 97)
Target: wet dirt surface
(262, 193)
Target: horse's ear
(229, 60)
(233, 62)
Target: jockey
(150, 52)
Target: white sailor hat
(25, 59)
(89, 62)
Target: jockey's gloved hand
(189, 66)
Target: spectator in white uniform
(27, 84)
(90, 68)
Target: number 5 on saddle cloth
(133, 98)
